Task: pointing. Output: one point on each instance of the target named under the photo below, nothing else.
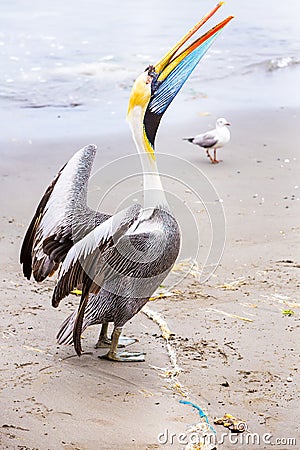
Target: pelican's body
(130, 267)
(118, 261)
(110, 305)
(213, 139)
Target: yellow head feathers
(140, 93)
(138, 102)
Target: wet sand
(237, 350)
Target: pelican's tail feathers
(65, 333)
(91, 314)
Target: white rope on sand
(166, 334)
(203, 428)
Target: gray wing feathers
(86, 259)
(61, 213)
(27, 255)
(205, 140)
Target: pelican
(213, 139)
(118, 261)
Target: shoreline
(235, 94)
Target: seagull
(214, 139)
(118, 260)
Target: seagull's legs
(215, 160)
(104, 341)
(114, 355)
(209, 155)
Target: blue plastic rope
(201, 413)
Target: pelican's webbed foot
(114, 355)
(124, 356)
(104, 341)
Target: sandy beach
(236, 336)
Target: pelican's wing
(206, 140)
(50, 234)
(82, 259)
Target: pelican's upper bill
(154, 90)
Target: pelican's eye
(151, 71)
(152, 78)
(150, 74)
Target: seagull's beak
(171, 72)
(227, 123)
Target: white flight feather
(99, 236)
(59, 201)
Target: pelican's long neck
(153, 190)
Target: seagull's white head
(222, 122)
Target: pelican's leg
(104, 341)
(209, 155)
(124, 356)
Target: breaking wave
(282, 63)
(270, 65)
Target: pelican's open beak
(171, 72)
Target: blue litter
(201, 413)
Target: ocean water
(67, 67)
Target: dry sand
(54, 400)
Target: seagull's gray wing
(206, 140)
